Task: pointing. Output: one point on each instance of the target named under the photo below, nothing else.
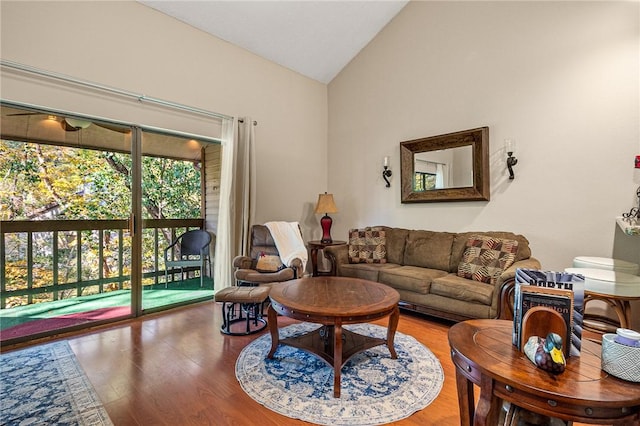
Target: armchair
(245, 301)
(247, 268)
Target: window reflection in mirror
(423, 181)
(441, 169)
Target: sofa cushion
(455, 287)
(485, 258)
(367, 245)
(460, 245)
(366, 271)
(428, 249)
(396, 240)
(410, 278)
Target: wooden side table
(314, 246)
(483, 355)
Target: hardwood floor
(176, 368)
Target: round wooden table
(333, 302)
(484, 355)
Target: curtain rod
(430, 162)
(138, 97)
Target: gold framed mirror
(450, 167)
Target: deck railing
(43, 259)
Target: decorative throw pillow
(485, 258)
(268, 263)
(367, 245)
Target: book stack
(560, 291)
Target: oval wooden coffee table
(333, 302)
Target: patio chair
(189, 250)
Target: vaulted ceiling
(315, 38)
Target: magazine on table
(561, 291)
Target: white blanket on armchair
(289, 242)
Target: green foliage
(74, 183)
(172, 186)
(47, 182)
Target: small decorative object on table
(627, 337)
(546, 353)
(633, 216)
(621, 354)
(562, 293)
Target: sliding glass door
(174, 182)
(87, 210)
(64, 242)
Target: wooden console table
(483, 355)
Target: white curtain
(439, 176)
(246, 188)
(237, 196)
(223, 271)
(442, 176)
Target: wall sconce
(510, 147)
(326, 205)
(386, 172)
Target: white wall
(561, 78)
(132, 47)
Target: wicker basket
(620, 360)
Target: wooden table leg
(272, 319)
(314, 261)
(489, 405)
(337, 358)
(466, 400)
(391, 331)
(626, 312)
(622, 308)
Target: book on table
(560, 291)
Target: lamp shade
(326, 204)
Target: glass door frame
(135, 221)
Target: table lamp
(326, 205)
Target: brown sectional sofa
(423, 266)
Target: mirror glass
(450, 167)
(446, 168)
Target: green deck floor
(152, 297)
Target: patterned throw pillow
(367, 245)
(268, 263)
(485, 258)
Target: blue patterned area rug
(45, 385)
(375, 388)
